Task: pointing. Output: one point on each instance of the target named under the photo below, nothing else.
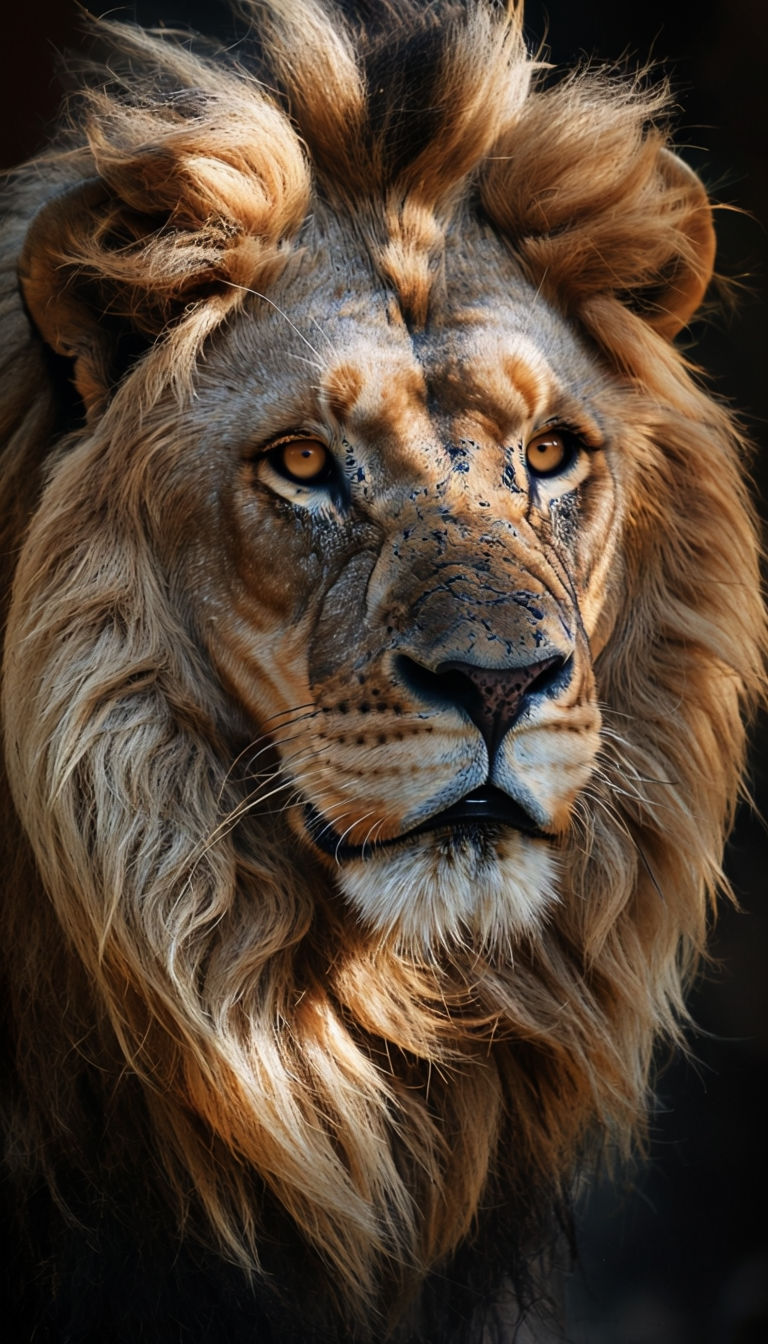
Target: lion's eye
(306, 461)
(550, 452)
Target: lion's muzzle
(493, 697)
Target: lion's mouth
(484, 809)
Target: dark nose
(491, 696)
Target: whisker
(344, 834)
(267, 741)
(257, 795)
(324, 335)
(650, 872)
(256, 293)
(372, 835)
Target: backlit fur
(408, 239)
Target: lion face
(403, 564)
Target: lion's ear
(68, 322)
(673, 302)
(103, 277)
(178, 209)
(596, 206)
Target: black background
(676, 1251)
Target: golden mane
(190, 999)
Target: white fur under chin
(472, 886)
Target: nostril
(552, 675)
(447, 685)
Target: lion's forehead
(452, 392)
(333, 346)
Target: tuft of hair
(197, 1013)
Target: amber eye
(550, 452)
(306, 461)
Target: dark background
(676, 1251)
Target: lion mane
(355, 1087)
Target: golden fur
(173, 938)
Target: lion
(383, 626)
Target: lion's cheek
(262, 661)
(601, 607)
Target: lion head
(385, 618)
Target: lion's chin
(480, 885)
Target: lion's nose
(491, 696)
